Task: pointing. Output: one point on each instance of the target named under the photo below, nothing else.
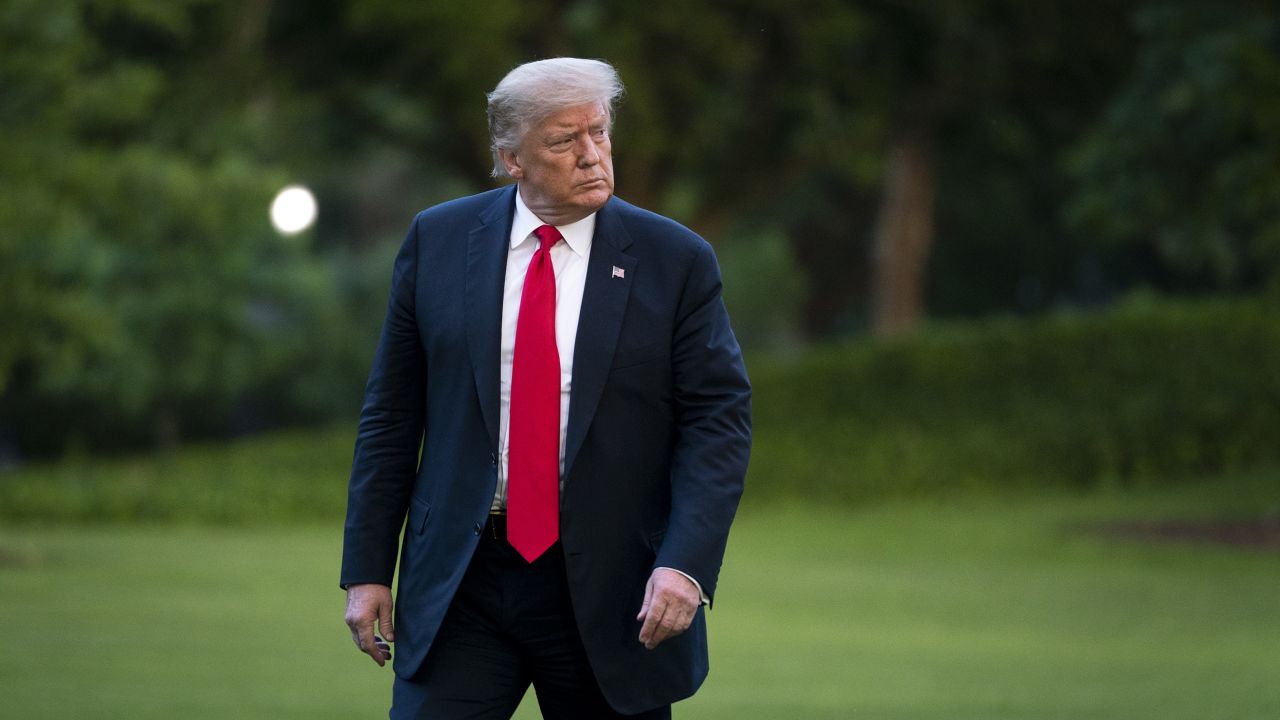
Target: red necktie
(533, 462)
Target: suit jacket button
(476, 528)
(493, 458)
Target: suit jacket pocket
(640, 355)
(419, 511)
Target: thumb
(385, 623)
(648, 597)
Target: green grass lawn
(970, 608)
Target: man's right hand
(369, 605)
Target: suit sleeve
(389, 435)
(713, 426)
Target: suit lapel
(487, 247)
(604, 301)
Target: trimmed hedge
(1147, 391)
(291, 476)
(1143, 393)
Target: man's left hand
(670, 602)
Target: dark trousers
(510, 624)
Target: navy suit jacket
(657, 442)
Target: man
(560, 410)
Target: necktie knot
(548, 236)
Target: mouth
(591, 183)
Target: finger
(367, 644)
(675, 619)
(670, 626)
(652, 623)
(648, 597)
(385, 622)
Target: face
(565, 164)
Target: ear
(512, 162)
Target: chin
(595, 199)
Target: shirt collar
(576, 235)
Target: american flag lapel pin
(619, 272)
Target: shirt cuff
(703, 596)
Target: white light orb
(293, 210)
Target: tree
(139, 274)
(851, 129)
(1177, 184)
(861, 131)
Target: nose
(588, 153)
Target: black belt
(495, 528)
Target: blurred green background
(1007, 274)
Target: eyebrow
(565, 132)
(569, 130)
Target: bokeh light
(293, 210)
